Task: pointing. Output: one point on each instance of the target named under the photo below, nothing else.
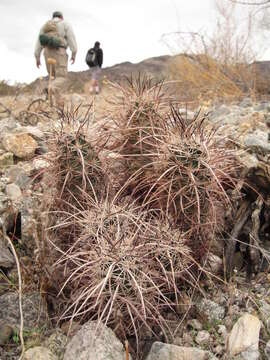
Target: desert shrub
(123, 269)
(6, 89)
(176, 167)
(137, 111)
(215, 65)
(123, 258)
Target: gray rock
(18, 176)
(222, 331)
(265, 313)
(6, 159)
(218, 112)
(258, 140)
(6, 332)
(34, 311)
(261, 106)
(247, 102)
(13, 192)
(36, 133)
(210, 310)
(56, 343)
(94, 343)
(7, 125)
(6, 258)
(39, 353)
(213, 263)
(203, 337)
(195, 324)
(161, 351)
(4, 203)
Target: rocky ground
(224, 320)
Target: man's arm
(38, 49)
(100, 57)
(71, 42)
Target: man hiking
(94, 59)
(55, 37)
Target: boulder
(6, 159)
(39, 353)
(257, 141)
(161, 351)
(203, 337)
(56, 343)
(6, 332)
(34, 311)
(13, 192)
(6, 258)
(244, 337)
(210, 311)
(21, 145)
(94, 343)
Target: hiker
(55, 36)
(94, 59)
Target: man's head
(57, 14)
(97, 44)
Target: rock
(34, 311)
(161, 351)
(6, 332)
(218, 350)
(261, 107)
(22, 145)
(210, 311)
(187, 339)
(18, 176)
(244, 337)
(202, 337)
(246, 102)
(267, 349)
(6, 159)
(194, 324)
(39, 353)
(56, 343)
(94, 343)
(70, 329)
(7, 125)
(40, 164)
(214, 263)
(36, 133)
(13, 192)
(218, 112)
(258, 140)
(265, 313)
(222, 331)
(6, 258)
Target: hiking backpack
(91, 58)
(50, 36)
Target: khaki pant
(61, 57)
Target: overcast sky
(128, 30)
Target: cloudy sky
(129, 30)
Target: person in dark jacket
(95, 67)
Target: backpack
(91, 58)
(50, 36)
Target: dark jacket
(99, 53)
